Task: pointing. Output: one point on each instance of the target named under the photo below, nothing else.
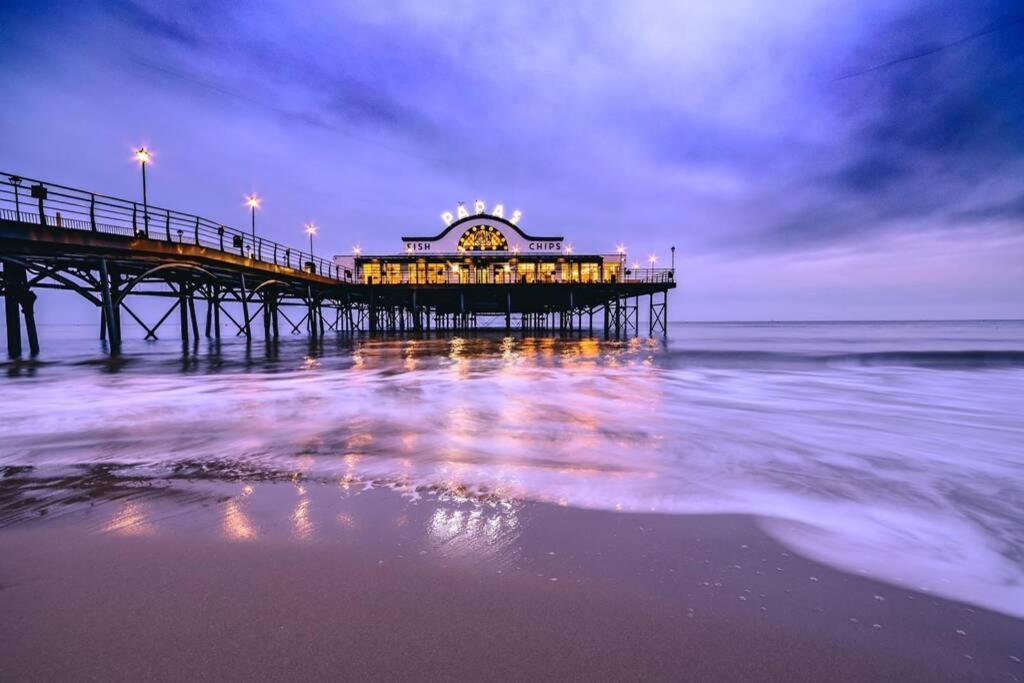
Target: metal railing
(28, 200)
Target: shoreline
(311, 580)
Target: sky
(812, 159)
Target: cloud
(728, 129)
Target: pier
(217, 279)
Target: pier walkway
(111, 250)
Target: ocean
(894, 450)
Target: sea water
(890, 449)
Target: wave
(940, 360)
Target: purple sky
(809, 159)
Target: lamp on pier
(311, 230)
(253, 202)
(143, 156)
(16, 182)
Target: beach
(770, 501)
(327, 583)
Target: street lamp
(253, 202)
(311, 230)
(143, 156)
(652, 259)
(357, 250)
(16, 182)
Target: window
(371, 273)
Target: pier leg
(14, 282)
(267, 304)
(183, 309)
(245, 307)
(192, 314)
(28, 303)
(216, 311)
(110, 317)
(274, 317)
(209, 314)
(664, 309)
(508, 310)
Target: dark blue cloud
(734, 133)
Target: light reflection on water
(889, 448)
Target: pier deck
(111, 250)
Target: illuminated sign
(483, 238)
(480, 209)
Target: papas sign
(477, 228)
(480, 208)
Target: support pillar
(183, 308)
(28, 303)
(274, 318)
(192, 314)
(15, 282)
(112, 320)
(508, 310)
(216, 311)
(245, 307)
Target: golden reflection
(483, 533)
(236, 523)
(508, 350)
(300, 519)
(130, 520)
(356, 442)
(410, 356)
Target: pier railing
(28, 200)
(33, 201)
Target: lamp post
(143, 156)
(311, 230)
(652, 259)
(673, 261)
(253, 202)
(16, 182)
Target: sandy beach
(303, 580)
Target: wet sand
(284, 581)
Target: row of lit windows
(495, 273)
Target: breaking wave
(885, 450)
